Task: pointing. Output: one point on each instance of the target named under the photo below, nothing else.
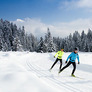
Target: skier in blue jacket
(72, 57)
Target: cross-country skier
(72, 57)
(59, 54)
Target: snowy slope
(28, 72)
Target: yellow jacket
(60, 54)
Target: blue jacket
(73, 57)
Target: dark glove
(78, 62)
(65, 61)
(54, 56)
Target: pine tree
(66, 47)
(33, 41)
(89, 36)
(16, 45)
(41, 46)
(5, 47)
(50, 46)
(1, 44)
(58, 43)
(77, 39)
(83, 41)
(71, 44)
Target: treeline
(82, 41)
(13, 38)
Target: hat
(62, 49)
(76, 48)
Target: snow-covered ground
(28, 72)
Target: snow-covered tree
(89, 41)
(1, 44)
(50, 46)
(17, 45)
(41, 46)
(83, 41)
(5, 47)
(77, 39)
(71, 44)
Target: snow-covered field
(28, 72)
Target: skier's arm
(69, 56)
(56, 54)
(78, 58)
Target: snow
(28, 72)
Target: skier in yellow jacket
(59, 55)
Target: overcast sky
(61, 16)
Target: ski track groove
(52, 79)
(90, 85)
(64, 79)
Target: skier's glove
(54, 56)
(65, 61)
(78, 62)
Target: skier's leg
(54, 63)
(65, 66)
(60, 64)
(74, 67)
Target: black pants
(69, 63)
(56, 62)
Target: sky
(61, 16)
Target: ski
(76, 77)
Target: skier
(60, 54)
(72, 58)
